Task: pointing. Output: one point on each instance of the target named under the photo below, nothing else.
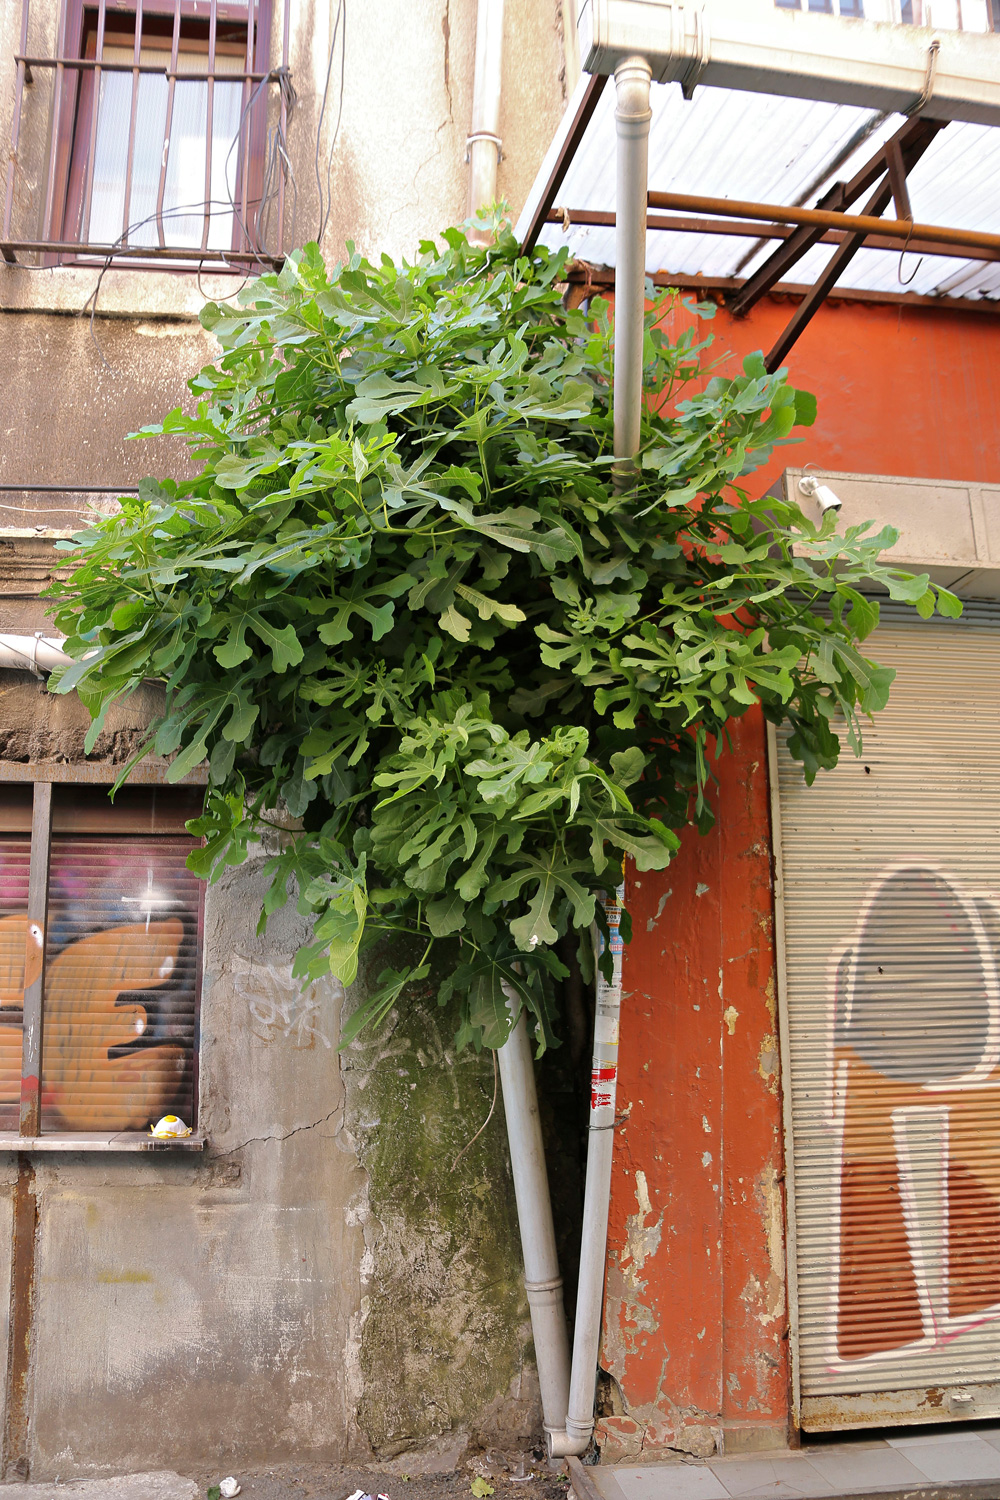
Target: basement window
(100, 958)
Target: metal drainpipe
(596, 1202)
(483, 146)
(31, 653)
(569, 1422)
(632, 117)
(542, 1280)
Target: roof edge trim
(752, 45)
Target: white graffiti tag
(280, 1005)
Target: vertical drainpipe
(568, 1397)
(483, 146)
(542, 1280)
(632, 117)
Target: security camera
(825, 498)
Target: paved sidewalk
(920, 1466)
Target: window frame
(29, 1136)
(83, 26)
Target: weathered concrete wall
(327, 1280)
(219, 1294)
(79, 397)
(445, 1340)
(395, 143)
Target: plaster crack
(446, 32)
(257, 1140)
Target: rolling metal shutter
(121, 987)
(889, 899)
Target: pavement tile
(603, 1478)
(784, 1477)
(662, 1482)
(161, 1485)
(963, 1458)
(931, 1439)
(869, 1470)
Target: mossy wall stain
(445, 1340)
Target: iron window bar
(252, 141)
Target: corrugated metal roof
(725, 143)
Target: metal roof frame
(930, 77)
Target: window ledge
(121, 1140)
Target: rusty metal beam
(742, 229)
(831, 274)
(908, 143)
(564, 156)
(90, 65)
(24, 1236)
(900, 229)
(581, 274)
(898, 168)
(892, 186)
(34, 959)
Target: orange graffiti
(89, 1088)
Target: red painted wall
(695, 1313)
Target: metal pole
(34, 959)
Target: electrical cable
(324, 213)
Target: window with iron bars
(854, 9)
(167, 133)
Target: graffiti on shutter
(120, 993)
(915, 1105)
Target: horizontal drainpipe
(32, 653)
